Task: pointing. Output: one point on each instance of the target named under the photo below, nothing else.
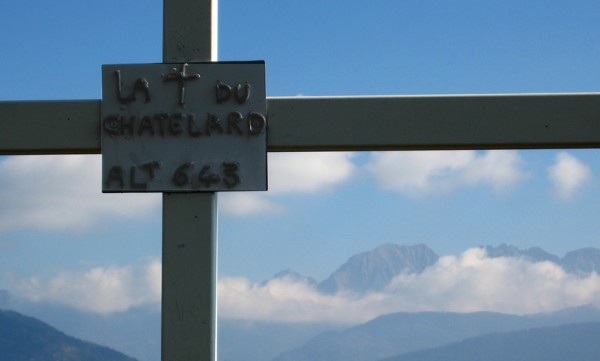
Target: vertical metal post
(190, 30)
(189, 298)
(189, 276)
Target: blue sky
(55, 225)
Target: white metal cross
(295, 124)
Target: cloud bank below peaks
(102, 290)
(469, 282)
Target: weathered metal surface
(434, 122)
(189, 276)
(50, 127)
(193, 127)
(519, 121)
(190, 30)
(189, 34)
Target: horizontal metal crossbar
(434, 122)
(50, 127)
(347, 123)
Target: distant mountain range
(137, 331)
(403, 333)
(241, 340)
(373, 270)
(426, 336)
(582, 261)
(28, 339)
(559, 343)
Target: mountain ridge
(556, 343)
(137, 331)
(372, 270)
(27, 338)
(400, 333)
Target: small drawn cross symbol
(181, 77)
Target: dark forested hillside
(402, 333)
(560, 343)
(25, 338)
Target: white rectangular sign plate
(194, 127)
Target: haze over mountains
(373, 270)
(401, 333)
(283, 318)
(558, 343)
(25, 338)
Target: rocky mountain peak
(582, 261)
(374, 269)
(534, 254)
(291, 275)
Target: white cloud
(292, 173)
(473, 282)
(568, 174)
(287, 300)
(308, 172)
(56, 192)
(422, 172)
(243, 204)
(467, 283)
(101, 290)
